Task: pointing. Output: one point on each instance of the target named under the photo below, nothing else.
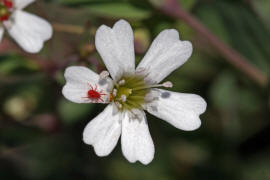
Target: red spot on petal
(95, 95)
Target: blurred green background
(41, 132)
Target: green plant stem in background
(173, 8)
(68, 28)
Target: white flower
(133, 90)
(28, 30)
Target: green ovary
(134, 89)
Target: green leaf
(224, 91)
(11, 63)
(213, 20)
(119, 10)
(187, 4)
(111, 9)
(263, 7)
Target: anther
(122, 82)
(8, 24)
(167, 84)
(118, 105)
(114, 92)
(140, 70)
(123, 98)
(104, 74)
(137, 114)
(151, 96)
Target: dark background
(41, 132)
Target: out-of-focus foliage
(41, 132)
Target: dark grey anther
(102, 82)
(165, 95)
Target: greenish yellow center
(130, 92)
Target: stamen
(104, 74)
(131, 92)
(123, 98)
(114, 92)
(152, 108)
(137, 114)
(151, 96)
(122, 82)
(118, 105)
(140, 71)
(115, 109)
(168, 84)
(8, 24)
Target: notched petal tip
(194, 126)
(166, 53)
(171, 33)
(102, 28)
(103, 132)
(143, 161)
(179, 109)
(203, 104)
(136, 140)
(116, 47)
(121, 23)
(99, 151)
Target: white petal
(137, 144)
(179, 109)
(78, 81)
(29, 31)
(165, 55)
(116, 47)
(20, 4)
(103, 132)
(1, 33)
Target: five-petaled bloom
(130, 91)
(28, 30)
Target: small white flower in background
(28, 30)
(132, 90)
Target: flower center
(132, 92)
(6, 7)
(129, 92)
